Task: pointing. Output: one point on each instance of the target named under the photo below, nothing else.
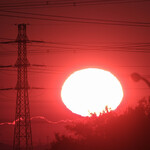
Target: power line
(65, 3)
(7, 66)
(80, 18)
(66, 19)
(60, 49)
(120, 48)
(6, 89)
(77, 44)
(6, 39)
(40, 71)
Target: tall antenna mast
(22, 130)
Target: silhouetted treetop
(129, 131)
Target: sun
(91, 90)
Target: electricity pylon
(22, 130)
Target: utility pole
(22, 130)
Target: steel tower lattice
(22, 130)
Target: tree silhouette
(130, 130)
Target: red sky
(76, 45)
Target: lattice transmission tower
(22, 130)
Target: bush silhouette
(129, 131)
